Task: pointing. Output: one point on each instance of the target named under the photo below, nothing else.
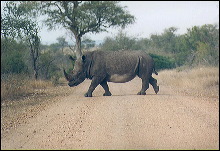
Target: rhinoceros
(112, 66)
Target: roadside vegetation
(200, 81)
(15, 86)
(28, 66)
(32, 72)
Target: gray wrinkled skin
(117, 66)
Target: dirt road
(123, 121)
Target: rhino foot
(156, 89)
(88, 95)
(107, 94)
(141, 93)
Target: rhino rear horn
(67, 76)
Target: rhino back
(120, 66)
(121, 63)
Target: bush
(13, 63)
(162, 62)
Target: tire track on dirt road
(122, 121)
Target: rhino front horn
(68, 77)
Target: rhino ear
(83, 58)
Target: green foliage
(109, 44)
(19, 22)
(81, 17)
(162, 62)
(72, 62)
(87, 43)
(62, 42)
(13, 63)
(12, 60)
(205, 55)
(54, 46)
(18, 19)
(85, 16)
(199, 46)
(166, 41)
(120, 42)
(204, 44)
(48, 68)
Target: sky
(152, 17)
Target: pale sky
(152, 17)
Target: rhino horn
(67, 76)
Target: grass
(200, 81)
(15, 86)
(23, 98)
(203, 81)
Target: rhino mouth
(74, 80)
(73, 83)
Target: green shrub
(13, 63)
(162, 62)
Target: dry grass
(200, 81)
(19, 85)
(23, 98)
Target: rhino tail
(155, 71)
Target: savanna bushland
(32, 72)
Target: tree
(203, 41)
(48, 68)
(62, 43)
(18, 22)
(81, 17)
(169, 38)
(34, 44)
(12, 60)
(87, 43)
(109, 44)
(165, 41)
(120, 42)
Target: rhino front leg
(95, 82)
(106, 88)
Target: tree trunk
(34, 43)
(78, 46)
(35, 67)
(34, 57)
(35, 74)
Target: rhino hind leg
(106, 88)
(153, 82)
(145, 86)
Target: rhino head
(78, 75)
